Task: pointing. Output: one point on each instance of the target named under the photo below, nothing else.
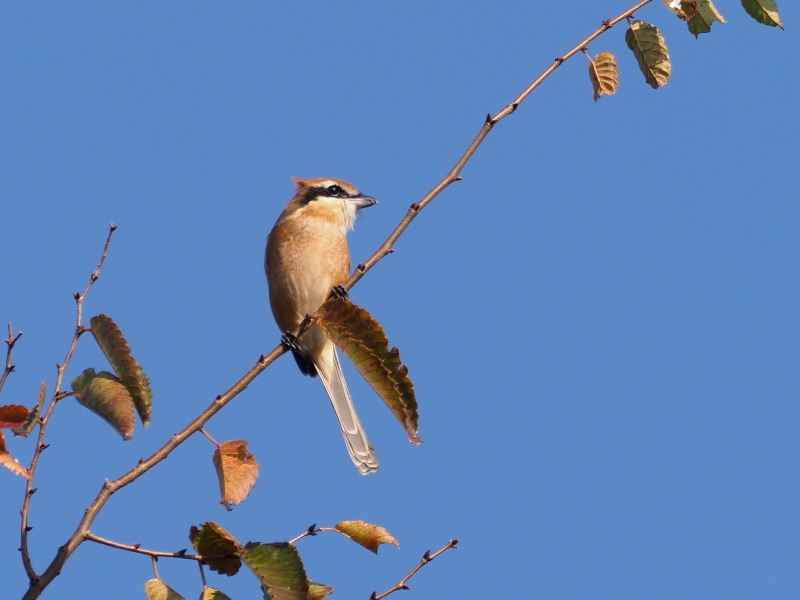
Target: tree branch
(10, 343)
(44, 420)
(403, 583)
(38, 584)
(139, 550)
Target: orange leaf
(237, 471)
(368, 535)
(13, 415)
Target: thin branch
(309, 532)
(139, 550)
(10, 343)
(210, 439)
(426, 558)
(109, 487)
(455, 173)
(45, 420)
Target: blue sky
(601, 320)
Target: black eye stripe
(330, 191)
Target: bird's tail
(355, 438)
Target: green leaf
(212, 540)
(706, 15)
(604, 74)
(25, 429)
(118, 352)
(650, 50)
(366, 534)
(105, 395)
(158, 590)
(763, 11)
(318, 591)
(363, 341)
(279, 568)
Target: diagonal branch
(38, 584)
(403, 583)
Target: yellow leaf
(368, 535)
(604, 74)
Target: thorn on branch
(514, 106)
(44, 446)
(28, 527)
(373, 595)
(137, 545)
(32, 491)
(414, 207)
(558, 59)
(427, 556)
(458, 178)
(488, 118)
(454, 543)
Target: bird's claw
(339, 291)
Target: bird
(305, 259)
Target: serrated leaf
(237, 471)
(212, 540)
(318, 591)
(763, 11)
(366, 534)
(114, 345)
(13, 415)
(158, 590)
(279, 568)
(363, 341)
(212, 594)
(604, 74)
(650, 50)
(9, 462)
(105, 395)
(25, 429)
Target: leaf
(212, 594)
(105, 395)
(237, 471)
(158, 590)
(604, 74)
(118, 352)
(212, 540)
(763, 11)
(279, 568)
(25, 429)
(707, 15)
(368, 535)
(13, 415)
(9, 462)
(363, 341)
(685, 9)
(318, 591)
(650, 50)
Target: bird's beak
(363, 201)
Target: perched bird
(306, 256)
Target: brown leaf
(237, 471)
(604, 74)
(114, 345)
(211, 540)
(25, 429)
(368, 535)
(363, 341)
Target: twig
(139, 550)
(45, 419)
(455, 173)
(10, 343)
(109, 487)
(426, 558)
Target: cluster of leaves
(277, 566)
(650, 49)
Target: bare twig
(139, 550)
(45, 419)
(210, 439)
(10, 343)
(426, 558)
(38, 584)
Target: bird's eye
(335, 191)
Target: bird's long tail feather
(361, 451)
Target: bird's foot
(339, 291)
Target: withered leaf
(237, 471)
(366, 534)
